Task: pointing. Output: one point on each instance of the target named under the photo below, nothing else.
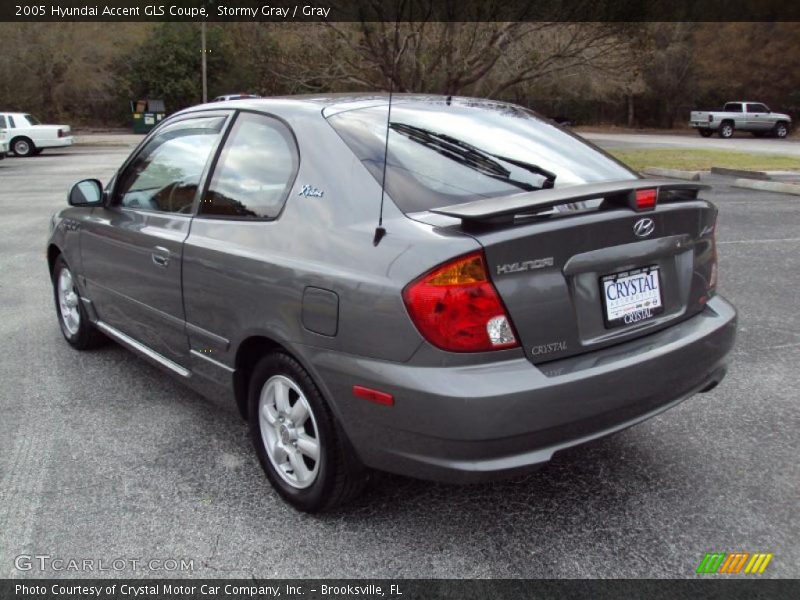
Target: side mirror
(88, 192)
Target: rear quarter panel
(247, 278)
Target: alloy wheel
(68, 300)
(289, 431)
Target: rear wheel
(705, 132)
(303, 451)
(781, 130)
(726, 130)
(22, 146)
(72, 317)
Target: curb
(768, 186)
(740, 173)
(672, 173)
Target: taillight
(646, 199)
(456, 307)
(710, 118)
(60, 133)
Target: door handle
(161, 257)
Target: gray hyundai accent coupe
(447, 288)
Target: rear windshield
(442, 153)
(32, 120)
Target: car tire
(23, 146)
(705, 132)
(75, 325)
(310, 462)
(781, 130)
(726, 130)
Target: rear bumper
(55, 143)
(476, 423)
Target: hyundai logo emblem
(643, 227)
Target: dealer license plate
(631, 296)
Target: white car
(26, 136)
(3, 144)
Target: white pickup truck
(754, 117)
(26, 136)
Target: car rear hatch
(581, 267)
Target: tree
(669, 72)
(749, 61)
(59, 70)
(167, 65)
(448, 58)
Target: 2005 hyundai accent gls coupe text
(524, 292)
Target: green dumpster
(147, 114)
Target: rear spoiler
(616, 193)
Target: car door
(759, 117)
(232, 276)
(131, 248)
(3, 135)
(735, 111)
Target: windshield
(442, 153)
(32, 120)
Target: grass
(703, 160)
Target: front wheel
(72, 317)
(781, 130)
(303, 451)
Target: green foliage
(168, 65)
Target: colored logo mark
(734, 562)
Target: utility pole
(204, 50)
(203, 44)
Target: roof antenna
(380, 230)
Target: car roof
(332, 104)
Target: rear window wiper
(549, 176)
(472, 157)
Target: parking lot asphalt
(104, 457)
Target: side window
(733, 107)
(11, 123)
(756, 108)
(165, 174)
(255, 170)
(3, 122)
